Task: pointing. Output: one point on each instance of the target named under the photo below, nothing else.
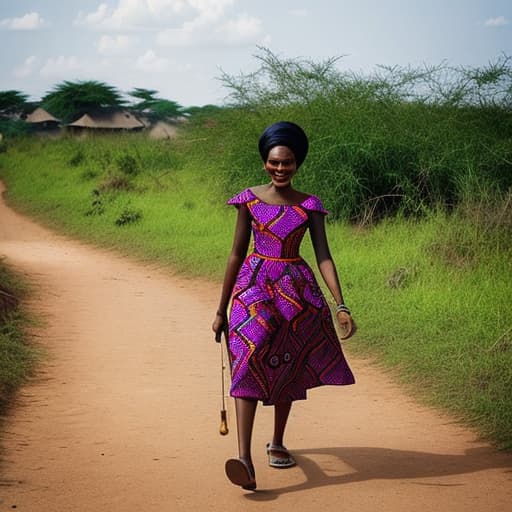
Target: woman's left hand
(220, 326)
(347, 325)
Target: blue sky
(178, 47)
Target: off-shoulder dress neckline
(278, 204)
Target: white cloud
(27, 68)
(30, 21)
(95, 18)
(241, 29)
(152, 63)
(211, 9)
(180, 23)
(212, 26)
(138, 14)
(61, 66)
(115, 45)
(499, 21)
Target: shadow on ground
(360, 464)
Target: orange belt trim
(271, 258)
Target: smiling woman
(282, 339)
(281, 166)
(283, 148)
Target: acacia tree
(12, 101)
(153, 107)
(69, 100)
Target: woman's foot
(241, 472)
(279, 456)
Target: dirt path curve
(124, 414)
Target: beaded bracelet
(342, 307)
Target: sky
(181, 47)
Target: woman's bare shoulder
(259, 189)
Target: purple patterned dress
(282, 339)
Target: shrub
(127, 164)
(128, 216)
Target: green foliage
(77, 158)
(402, 140)
(97, 204)
(280, 82)
(477, 231)
(153, 107)
(147, 97)
(13, 128)
(371, 160)
(16, 357)
(12, 101)
(164, 109)
(128, 164)
(70, 100)
(205, 110)
(128, 216)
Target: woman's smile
(281, 165)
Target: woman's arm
(236, 258)
(328, 269)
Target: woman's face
(281, 166)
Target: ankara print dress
(282, 339)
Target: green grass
(81, 200)
(431, 295)
(445, 328)
(17, 357)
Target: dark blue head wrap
(286, 134)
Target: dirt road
(124, 413)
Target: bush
(401, 140)
(13, 128)
(128, 216)
(127, 164)
(77, 158)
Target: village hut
(42, 119)
(107, 120)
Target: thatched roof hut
(42, 118)
(108, 120)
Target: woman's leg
(281, 413)
(245, 412)
(278, 456)
(241, 471)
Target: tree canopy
(12, 101)
(70, 100)
(153, 107)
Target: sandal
(241, 473)
(285, 461)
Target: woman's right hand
(347, 325)
(219, 326)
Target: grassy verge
(431, 296)
(16, 356)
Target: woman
(282, 339)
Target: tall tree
(69, 100)
(12, 101)
(153, 107)
(147, 98)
